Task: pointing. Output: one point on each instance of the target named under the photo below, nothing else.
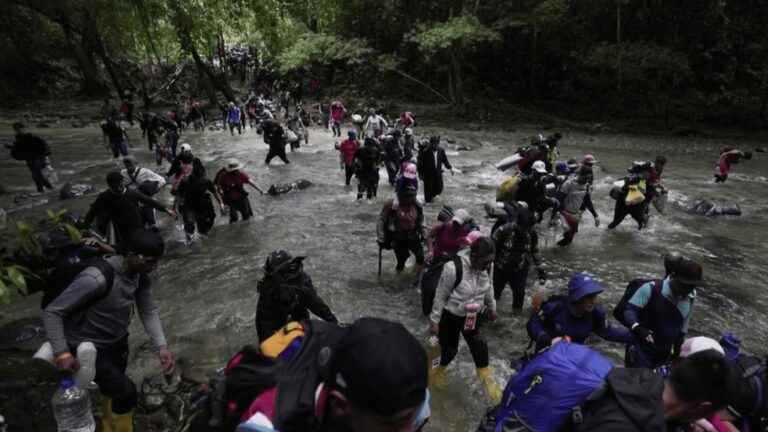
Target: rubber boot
(107, 421)
(124, 422)
(437, 377)
(491, 388)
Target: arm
(212, 189)
(86, 286)
(443, 291)
(316, 304)
(608, 332)
(638, 301)
(444, 158)
(588, 205)
(96, 208)
(149, 314)
(148, 201)
(253, 185)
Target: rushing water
(207, 292)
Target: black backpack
(62, 276)
(750, 402)
(431, 278)
(632, 287)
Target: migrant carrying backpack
(750, 402)
(632, 287)
(548, 390)
(431, 278)
(63, 275)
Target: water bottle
(72, 408)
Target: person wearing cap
(728, 156)
(532, 189)
(33, 150)
(183, 163)
(230, 182)
(370, 376)
(517, 247)
(366, 162)
(658, 316)
(574, 317)
(274, 137)
(640, 400)
(145, 181)
(575, 197)
(408, 176)
(401, 228)
(234, 119)
(457, 306)
(634, 186)
(106, 320)
(347, 150)
(121, 206)
(445, 239)
(286, 294)
(430, 163)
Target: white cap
(186, 147)
(539, 167)
(460, 216)
(698, 344)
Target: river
(207, 292)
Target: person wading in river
(286, 294)
(230, 182)
(97, 307)
(457, 307)
(145, 181)
(274, 137)
(401, 228)
(34, 151)
(430, 164)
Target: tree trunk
(92, 84)
(92, 37)
(534, 59)
(456, 78)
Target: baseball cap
(688, 272)
(143, 242)
(698, 344)
(589, 160)
(539, 167)
(381, 365)
(460, 216)
(186, 147)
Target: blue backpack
(542, 396)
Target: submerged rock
(709, 208)
(70, 191)
(283, 188)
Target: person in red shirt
(348, 148)
(406, 120)
(728, 157)
(337, 116)
(231, 181)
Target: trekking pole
(379, 260)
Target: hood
(638, 392)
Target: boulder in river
(71, 191)
(710, 208)
(282, 188)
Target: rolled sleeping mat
(509, 162)
(616, 190)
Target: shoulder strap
(108, 271)
(459, 266)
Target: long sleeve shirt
(475, 287)
(122, 209)
(141, 175)
(105, 321)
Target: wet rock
(464, 148)
(283, 188)
(450, 141)
(757, 150)
(71, 191)
(42, 125)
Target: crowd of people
(373, 374)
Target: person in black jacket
(286, 294)
(120, 206)
(275, 139)
(639, 400)
(34, 151)
(430, 164)
(366, 162)
(194, 202)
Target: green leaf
(74, 233)
(5, 295)
(17, 279)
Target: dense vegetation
(706, 60)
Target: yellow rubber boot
(437, 377)
(491, 388)
(107, 420)
(124, 422)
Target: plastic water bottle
(72, 408)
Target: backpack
(750, 403)
(558, 302)
(431, 278)
(63, 275)
(632, 287)
(250, 373)
(548, 390)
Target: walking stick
(379, 261)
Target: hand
(597, 222)
(452, 171)
(434, 328)
(172, 213)
(643, 334)
(67, 362)
(556, 340)
(166, 360)
(492, 316)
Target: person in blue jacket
(658, 315)
(574, 317)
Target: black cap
(688, 272)
(381, 366)
(143, 242)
